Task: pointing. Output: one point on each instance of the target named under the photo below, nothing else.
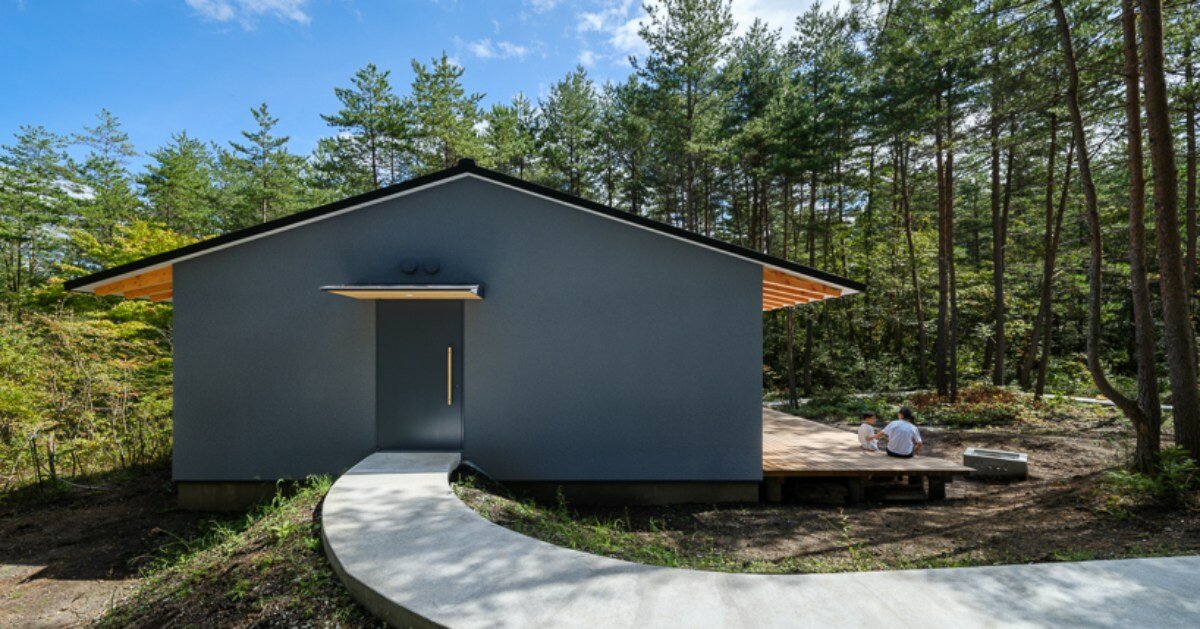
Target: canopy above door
(471, 292)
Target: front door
(419, 375)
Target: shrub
(1124, 491)
(842, 407)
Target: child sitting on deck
(866, 433)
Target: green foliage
(844, 408)
(509, 142)
(126, 242)
(110, 198)
(979, 406)
(373, 123)
(1126, 491)
(264, 179)
(180, 186)
(568, 134)
(35, 201)
(81, 394)
(444, 116)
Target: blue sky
(163, 66)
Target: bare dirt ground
(64, 559)
(1056, 515)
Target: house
(548, 338)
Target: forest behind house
(1015, 180)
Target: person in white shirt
(866, 433)
(903, 438)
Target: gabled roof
(126, 273)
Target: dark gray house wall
(602, 351)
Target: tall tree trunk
(942, 342)
(997, 247)
(1048, 286)
(791, 336)
(869, 230)
(1189, 73)
(906, 206)
(812, 255)
(1092, 214)
(950, 245)
(1173, 292)
(1146, 452)
(1030, 355)
(791, 360)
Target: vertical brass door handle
(450, 376)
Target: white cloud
(780, 14)
(246, 12)
(541, 6)
(618, 21)
(485, 49)
(625, 37)
(587, 58)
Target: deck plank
(799, 447)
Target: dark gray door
(419, 369)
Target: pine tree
(335, 171)
(687, 41)
(509, 140)
(371, 119)
(110, 199)
(179, 186)
(626, 137)
(35, 203)
(444, 116)
(567, 141)
(265, 176)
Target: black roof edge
(465, 166)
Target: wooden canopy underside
(779, 289)
(155, 285)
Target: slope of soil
(266, 569)
(67, 554)
(122, 555)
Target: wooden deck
(798, 447)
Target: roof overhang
(467, 292)
(155, 284)
(785, 290)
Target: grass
(616, 537)
(263, 568)
(720, 543)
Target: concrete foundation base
(226, 496)
(638, 493)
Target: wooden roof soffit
(154, 285)
(781, 290)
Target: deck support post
(774, 489)
(937, 488)
(857, 490)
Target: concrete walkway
(414, 554)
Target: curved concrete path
(414, 554)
